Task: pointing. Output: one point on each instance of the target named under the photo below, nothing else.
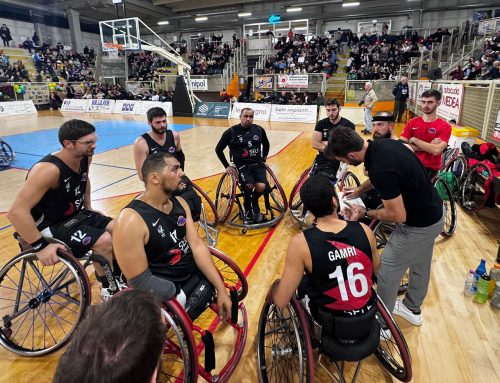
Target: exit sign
(273, 19)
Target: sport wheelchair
(6, 155)
(41, 306)
(207, 224)
(289, 340)
(301, 216)
(230, 193)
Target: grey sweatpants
(408, 247)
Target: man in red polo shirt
(428, 135)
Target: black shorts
(81, 231)
(192, 198)
(253, 174)
(199, 294)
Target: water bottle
(483, 288)
(470, 285)
(481, 270)
(495, 277)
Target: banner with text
(293, 81)
(212, 109)
(263, 83)
(199, 84)
(262, 112)
(74, 105)
(16, 107)
(128, 107)
(166, 106)
(451, 101)
(294, 113)
(100, 106)
(416, 89)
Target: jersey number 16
(351, 279)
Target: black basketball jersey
(325, 127)
(67, 199)
(168, 147)
(341, 278)
(246, 145)
(167, 250)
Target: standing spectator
(307, 98)
(5, 34)
(369, 100)
(290, 35)
(36, 40)
(55, 101)
(400, 93)
(320, 100)
(86, 50)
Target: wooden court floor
(458, 341)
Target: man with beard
(248, 149)
(324, 127)
(54, 202)
(158, 247)
(428, 135)
(162, 140)
(406, 192)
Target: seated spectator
(457, 74)
(224, 96)
(28, 44)
(129, 350)
(320, 100)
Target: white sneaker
(401, 310)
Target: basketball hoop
(112, 49)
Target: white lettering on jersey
(342, 253)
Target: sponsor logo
(432, 130)
(84, 177)
(161, 231)
(171, 149)
(181, 221)
(203, 108)
(127, 107)
(68, 186)
(154, 149)
(156, 223)
(256, 138)
(70, 223)
(86, 241)
(100, 102)
(67, 179)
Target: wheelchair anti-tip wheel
(179, 362)
(392, 352)
(450, 209)
(284, 352)
(41, 305)
(476, 188)
(231, 273)
(224, 197)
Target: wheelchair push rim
(41, 305)
(208, 206)
(231, 273)
(224, 197)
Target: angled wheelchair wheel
(41, 305)
(450, 209)
(231, 273)
(276, 193)
(284, 351)
(210, 212)
(458, 167)
(349, 179)
(179, 361)
(476, 188)
(392, 352)
(294, 199)
(224, 197)
(6, 155)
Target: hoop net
(112, 49)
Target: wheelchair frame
(299, 328)
(227, 196)
(7, 155)
(208, 217)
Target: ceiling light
(203, 18)
(295, 9)
(355, 4)
(244, 14)
(374, 21)
(163, 22)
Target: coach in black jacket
(400, 93)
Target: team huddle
(154, 246)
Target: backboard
(124, 33)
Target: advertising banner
(416, 89)
(74, 105)
(212, 109)
(451, 101)
(128, 107)
(263, 83)
(38, 93)
(199, 84)
(294, 113)
(100, 106)
(262, 112)
(293, 81)
(16, 107)
(166, 106)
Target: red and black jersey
(168, 147)
(341, 277)
(67, 199)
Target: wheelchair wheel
(179, 361)
(277, 194)
(41, 305)
(6, 155)
(208, 206)
(294, 199)
(231, 273)
(224, 197)
(349, 179)
(476, 188)
(450, 209)
(284, 351)
(458, 167)
(392, 352)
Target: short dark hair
(343, 140)
(154, 163)
(73, 130)
(432, 93)
(332, 101)
(118, 341)
(317, 193)
(155, 112)
(243, 111)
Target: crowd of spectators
(210, 57)
(115, 92)
(144, 66)
(283, 98)
(484, 66)
(12, 72)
